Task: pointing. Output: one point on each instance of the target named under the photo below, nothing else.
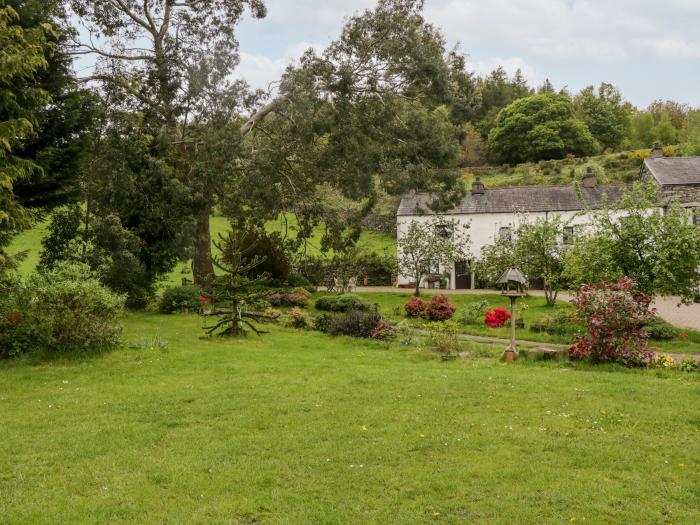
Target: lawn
(297, 427)
(391, 306)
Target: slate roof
(518, 199)
(672, 171)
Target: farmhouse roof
(518, 199)
(672, 171)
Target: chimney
(657, 151)
(589, 179)
(478, 187)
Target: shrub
(322, 323)
(384, 331)
(439, 308)
(415, 307)
(300, 300)
(474, 312)
(355, 323)
(298, 318)
(662, 361)
(689, 365)
(442, 338)
(612, 314)
(299, 281)
(561, 322)
(659, 329)
(497, 317)
(268, 247)
(177, 298)
(65, 309)
(342, 303)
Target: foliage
(497, 317)
(21, 98)
(561, 322)
(269, 249)
(439, 308)
(384, 331)
(443, 338)
(474, 312)
(57, 311)
(354, 323)
(689, 365)
(659, 249)
(428, 244)
(235, 290)
(112, 251)
(342, 303)
(298, 318)
(494, 259)
(662, 361)
(179, 298)
(605, 113)
(613, 314)
(299, 297)
(415, 307)
(539, 127)
(659, 329)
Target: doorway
(463, 276)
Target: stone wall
(685, 194)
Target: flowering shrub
(442, 338)
(497, 317)
(383, 331)
(662, 361)
(415, 307)
(298, 318)
(613, 314)
(439, 308)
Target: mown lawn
(391, 306)
(296, 427)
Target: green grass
(29, 241)
(297, 427)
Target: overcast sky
(650, 49)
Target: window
(696, 217)
(568, 235)
(504, 233)
(444, 231)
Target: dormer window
(444, 231)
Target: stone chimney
(589, 179)
(657, 151)
(478, 187)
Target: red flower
(205, 300)
(683, 334)
(497, 317)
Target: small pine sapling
(234, 291)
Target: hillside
(610, 168)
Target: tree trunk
(417, 292)
(202, 267)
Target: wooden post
(512, 322)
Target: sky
(649, 49)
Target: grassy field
(297, 427)
(30, 241)
(391, 306)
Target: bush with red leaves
(613, 314)
(415, 307)
(497, 317)
(439, 308)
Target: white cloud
(510, 65)
(260, 70)
(673, 48)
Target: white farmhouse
(496, 212)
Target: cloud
(672, 48)
(510, 65)
(260, 70)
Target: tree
(537, 248)
(497, 91)
(379, 104)
(540, 127)
(658, 249)
(605, 113)
(21, 60)
(540, 250)
(427, 244)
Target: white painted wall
(484, 229)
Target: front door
(462, 275)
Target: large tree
(22, 57)
(605, 113)
(377, 110)
(540, 127)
